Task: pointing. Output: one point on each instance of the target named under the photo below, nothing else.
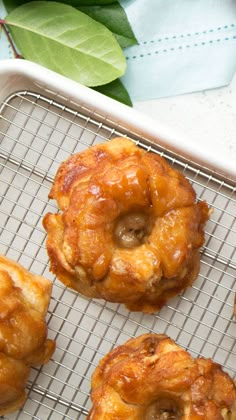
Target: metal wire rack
(36, 134)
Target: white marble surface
(207, 118)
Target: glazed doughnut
(152, 378)
(24, 300)
(129, 227)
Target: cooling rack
(36, 134)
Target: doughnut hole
(132, 229)
(164, 408)
(228, 414)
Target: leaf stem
(3, 24)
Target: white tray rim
(18, 74)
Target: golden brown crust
(151, 377)
(24, 300)
(129, 230)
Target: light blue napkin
(5, 48)
(184, 46)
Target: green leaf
(67, 41)
(114, 18)
(12, 4)
(90, 2)
(108, 12)
(115, 90)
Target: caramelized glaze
(151, 378)
(129, 228)
(24, 300)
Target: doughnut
(151, 378)
(129, 228)
(24, 300)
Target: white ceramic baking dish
(17, 74)
(44, 118)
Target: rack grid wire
(36, 135)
